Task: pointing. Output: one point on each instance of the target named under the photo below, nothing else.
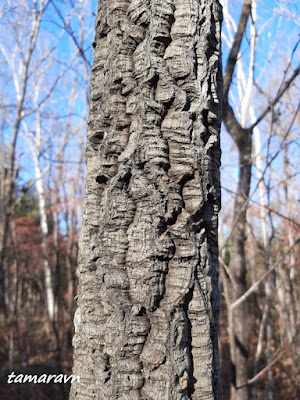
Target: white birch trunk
(44, 228)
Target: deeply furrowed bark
(147, 316)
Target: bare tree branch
(281, 92)
(71, 34)
(233, 55)
(255, 285)
(265, 369)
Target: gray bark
(148, 303)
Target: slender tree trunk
(71, 250)
(3, 234)
(14, 279)
(266, 240)
(50, 301)
(239, 320)
(147, 317)
(237, 267)
(288, 277)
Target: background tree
(243, 123)
(43, 113)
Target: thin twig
(264, 370)
(277, 97)
(227, 270)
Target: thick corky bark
(147, 316)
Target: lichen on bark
(147, 316)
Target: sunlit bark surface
(147, 315)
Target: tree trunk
(238, 321)
(238, 269)
(147, 317)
